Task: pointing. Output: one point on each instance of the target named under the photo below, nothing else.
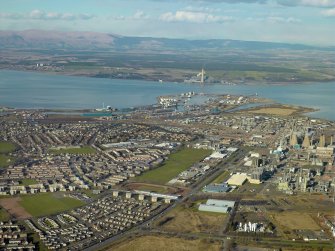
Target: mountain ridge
(43, 39)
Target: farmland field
(176, 163)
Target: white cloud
(42, 15)
(276, 19)
(138, 15)
(194, 17)
(52, 15)
(10, 16)
(329, 12)
(36, 14)
(312, 3)
(202, 9)
(318, 3)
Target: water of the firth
(40, 90)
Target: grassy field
(4, 216)
(74, 150)
(285, 245)
(275, 111)
(190, 220)
(248, 188)
(6, 147)
(5, 160)
(27, 182)
(154, 243)
(89, 193)
(296, 220)
(48, 203)
(311, 204)
(152, 188)
(176, 163)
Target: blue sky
(294, 21)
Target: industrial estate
(228, 172)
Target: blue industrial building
(216, 188)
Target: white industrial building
(217, 206)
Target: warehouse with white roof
(217, 206)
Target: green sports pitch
(5, 148)
(43, 204)
(176, 163)
(73, 150)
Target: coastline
(145, 92)
(172, 80)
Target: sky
(293, 21)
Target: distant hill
(55, 39)
(94, 41)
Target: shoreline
(264, 108)
(236, 82)
(218, 89)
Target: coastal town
(250, 171)
(155, 125)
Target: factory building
(256, 176)
(217, 206)
(237, 179)
(325, 152)
(216, 188)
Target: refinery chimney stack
(293, 139)
(322, 142)
(306, 143)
